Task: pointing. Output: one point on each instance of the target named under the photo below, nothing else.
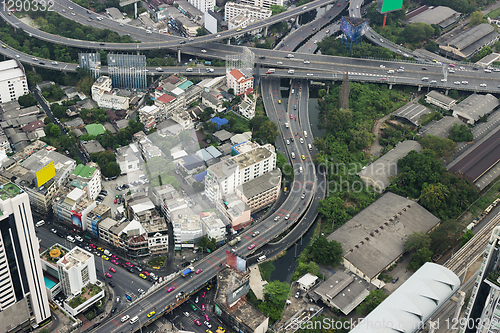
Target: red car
(112, 269)
(115, 262)
(451, 65)
(115, 257)
(108, 275)
(291, 116)
(197, 322)
(383, 79)
(206, 317)
(199, 271)
(145, 273)
(204, 293)
(116, 200)
(170, 289)
(251, 246)
(129, 264)
(203, 307)
(92, 246)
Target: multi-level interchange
(142, 202)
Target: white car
(465, 82)
(121, 24)
(482, 85)
(462, 68)
(186, 314)
(301, 140)
(287, 142)
(306, 62)
(309, 74)
(315, 41)
(217, 36)
(207, 324)
(34, 59)
(443, 80)
(382, 66)
(78, 238)
(18, 56)
(451, 70)
(71, 8)
(287, 216)
(73, 14)
(279, 62)
(203, 51)
(457, 82)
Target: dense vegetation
(106, 161)
(441, 192)
(371, 302)
(461, 133)
(332, 46)
(340, 150)
(27, 100)
(275, 296)
(56, 24)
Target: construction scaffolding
(127, 71)
(91, 62)
(243, 62)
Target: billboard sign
(236, 262)
(76, 220)
(386, 6)
(238, 292)
(45, 174)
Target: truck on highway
(234, 241)
(187, 271)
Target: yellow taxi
(3, 45)
(208, 331)
(104, 257)
(100, 249)
(279, 101)
(151, 314)
(221, 329)
(303, 157)
(239, 29)
(142, 276)
(10, 14)
(209, 287)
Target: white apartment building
(91, 175)
(187, 226)
(203, 5)
(23, 297)
(76, 270)
(233, 9)
(13, 82)
(213, 227)
(224, 177)
(111, 101)
(128, 158)
(242, 21)
(239, 82)
(150, 116)
(262, 3)
(101, 85)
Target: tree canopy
(461, 133)
(27, 100)
(326, 252)
(371, 302)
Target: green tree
(476, 18)
(208, 243)
(276, 9)
(461, 133)
(304, 268)
(433, 196)
(416, 241)
(55, 131)
(420, 257)
(371, 302)
(46, 120)
(454, 94)
(275, 296)
(466, 237)
(27, 100)
(431, 46)
(201, 31)
(441, 147)
(326, 252)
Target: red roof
(165, 98)
(111, 114)
(33, 126)
(237, 74)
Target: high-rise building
(239, 82)
(203, 5)
(233, 9)
(13, 82)
(262, 3)
(23, 298)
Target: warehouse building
(413, 303)
(474, 107)
(378, 173)
(440, 100)
(412, 113)
(374, 239)
(441, 128)
(466, 44)
(442, 16)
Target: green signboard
(386, 6)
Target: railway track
(469, 253)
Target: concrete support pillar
(229, 41)
(265, 30)
(135, 8)
(179, 56)
(460, 303)
(390, 87)
(446, 92)
(419, 88)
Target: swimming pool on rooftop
(49, 283)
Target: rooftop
(10, 70)
(379, 172)
(74, 258)
(475, 106)
(345, 291)
(413, 302)
(471, 35)
(84, 171)
(435, 15)
(95, 129)
(223, 135)
(107, 223)
(93, 146)
(262, 183)
(42, 157)
(375, 237)
(9, 190)
(412, 112)
(442, 127)
(440, 97)
(186, 220)
(73, 123)
(242, 311)
(252, 157)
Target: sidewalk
(256, 282)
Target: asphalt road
(124, 281)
